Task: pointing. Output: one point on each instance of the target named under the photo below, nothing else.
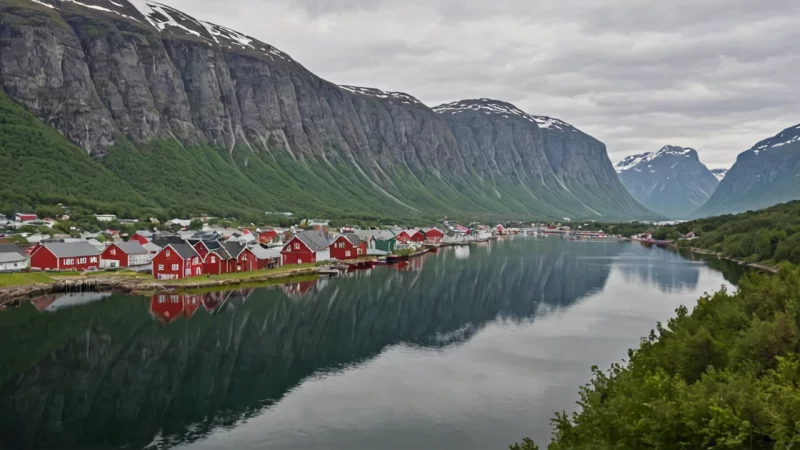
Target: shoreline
(126, 284)
(755, 266)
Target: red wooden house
(433, 235)
(409, 236)
(124, 254)
(78, 256)
(266, 258)
(348, 246)
(176, 262)
(306, 247)
(267, 237)
(191, 303)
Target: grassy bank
(23, 278)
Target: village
(183, 253)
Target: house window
(196, 260)
(347, 254)
(93, 260)
(297, 246)
(169, 254)
(213, 259)
(113, 252)
(82, 261)
(160, 267)
(69, 262)
(175, 267)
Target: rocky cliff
(671, 181)
(763, 176)
(105, 73)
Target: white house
(13, 258)
(105, 217)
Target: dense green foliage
(39, 166)
(726, 376)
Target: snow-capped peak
(720, 173)
(506, 110)
(786, 137)
(630, 162)
(165, 18)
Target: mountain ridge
(671, 181)
(763, 176)
(118, 78)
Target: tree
(196, 224)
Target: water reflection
(171, 369)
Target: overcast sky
(716, 75)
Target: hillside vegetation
(768, 236)
(725, 376)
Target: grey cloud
(717, 75)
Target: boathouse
(409, 236)
(433, 235)
(63, 256)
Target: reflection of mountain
(665, 269)
(108, 372)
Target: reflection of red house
(267, 237)
(191, 303)
(213, 301)
(166, 308)
(408, 236)
(348, 246)
(176, 262)
(433, 235)
(297, 290)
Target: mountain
(720, 173)
(763, 176)
(671, 181)
(196, 117)
(559, 167)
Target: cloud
(717, 75)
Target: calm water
(470, 348)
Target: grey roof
(9, 257)
(314, 240)
(385, 235)
(353, 238)
(72, 249)
(265, 253)
(11, 248)
(185, 251)
(132, 248)
(233, 248)
(366, 235)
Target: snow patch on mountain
(786, 137)
(720, 173)
(402, 97)
(631, 162)
(489, 106)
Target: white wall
(15, 266)
(139, 260)
(324, 255)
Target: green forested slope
(725, 376)
(38, 166)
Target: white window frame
(176, 267)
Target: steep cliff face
(763, 176)
(103, 72)
(671, 181)
(563, 169)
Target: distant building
(24, 217)
(409, 236)
(306, 247)
(105, 217)
(433, 235)
(13, 258)
(348, 246)
(125, 254)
